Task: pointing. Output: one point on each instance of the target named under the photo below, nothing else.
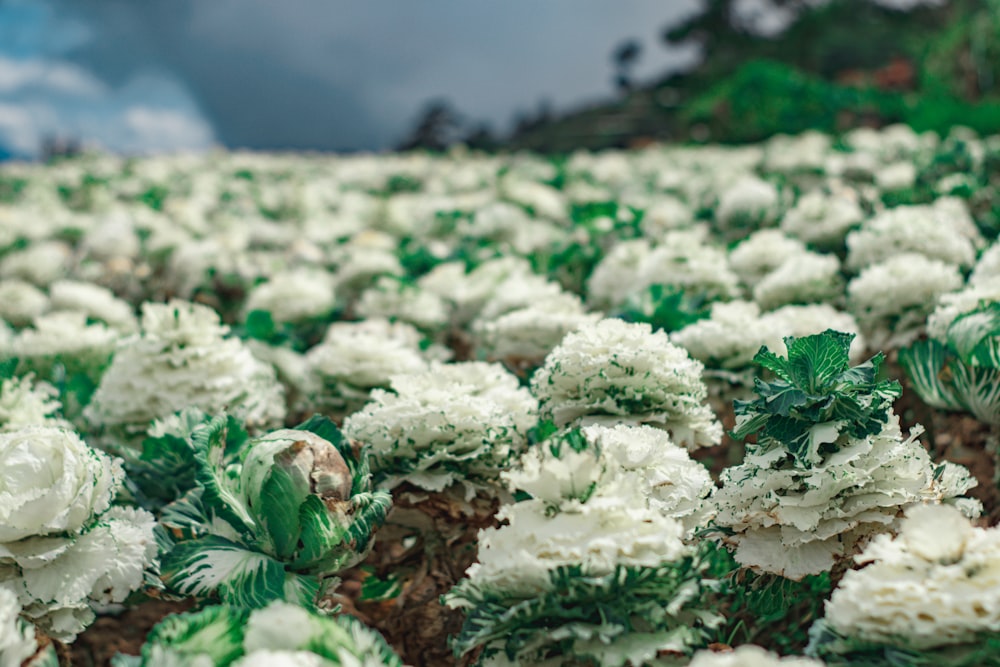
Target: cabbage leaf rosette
(620, 372)
(279, 635)
(64, 549)
(293, 508)
(829, 468)
(929, 596)
(588, 568)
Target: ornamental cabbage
(589, 568)
(450, 424)
(279, 635)
(619, 372)
(183, 359)
(931, 595)
(274, 522)
(829, 466)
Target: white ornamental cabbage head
(761, 253)
(467, 293)
(17, 638)
(987, 269)
(51, 482)
(821, 219)
(892, 299)
(750, 201)
(809, 277)
(451, 423)
(396, 299)
(41, 263)
(293, 295)
(796, 521)
(616, 276)
(598, 535)
(183, 359)
(642, 457)
(529, 333)
(356, 357)
(688, 260)
(619, 372)
(21, 302)
(729, 337)
(26, 403)
(97, 302)
(953, 304)
(61, 581)
(936, 232)
(936, 584)
(67, 337)
(749, 655)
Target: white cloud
(45, 98)
(52, 76)
(155, 129)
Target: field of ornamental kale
(704, 405)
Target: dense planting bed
(629, 408)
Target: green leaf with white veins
(816, 398)
(214, 564)
(925, 363)
(975, 337)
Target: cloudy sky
(154, 75)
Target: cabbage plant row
(617, 409)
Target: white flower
(664, 214)
(936, 584)
(749, 655)
(618, 372)
(181, 359)
(468, 416)
(294, 295)
(51, 482)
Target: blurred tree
(437, 127)
(624, 58)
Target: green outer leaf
(836, 650)
(975, 336)
(979, 390)
(630, 598)
(924, 363)
(214, 631)
(215, 565)
(221, 493)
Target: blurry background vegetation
(828, 66)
